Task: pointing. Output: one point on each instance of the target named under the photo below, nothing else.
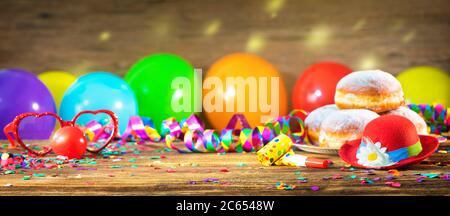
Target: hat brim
(429, 145)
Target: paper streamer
(195, 138)
(436, 116)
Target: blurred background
(84, 35)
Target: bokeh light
(255, 43)
(369, 62)
(212, 27)
(319, 36)
(104, 36)
(273, 7)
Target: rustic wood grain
(111, 35)
(151, 177)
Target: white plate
(317, 149)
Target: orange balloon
(243, 83)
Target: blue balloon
(99, 90)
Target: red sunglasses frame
(11, 130)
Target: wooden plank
(151, 177)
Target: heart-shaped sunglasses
(13, 129)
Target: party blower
(279, 152)
(69, 138)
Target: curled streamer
(437, 117)
(194, 137)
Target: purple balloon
(20, 92)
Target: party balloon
(69, 141)
(425, 85)
(243, 83)
(317, 84)
(57, 82)
(164, 85)
(99, 90)
(20, 92)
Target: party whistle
(279, 152)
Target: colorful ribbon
(195, 138)
(437, 116)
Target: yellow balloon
(425, 84)
(57, 82)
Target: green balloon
(164, 87)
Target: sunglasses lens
(36, 132)
(98, 129)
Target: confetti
(315, 188)
(26, 178)
(9, 172)
(170, 170)
(8, 185)
(224, 170)
(116, 166)
(38, 174)
(389, 178)
(393, 184)
(394, 172)
(421, 179)
(283, 186)
(241, 164)
(430, 175)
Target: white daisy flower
(372, 155)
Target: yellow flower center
(372, 156)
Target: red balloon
(70, 142)
(317, 84)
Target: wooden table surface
(152, 172)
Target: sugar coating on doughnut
(315, 118)
(419, 122)
(344, 125)
(373, 82)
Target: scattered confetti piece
(421, 179)
(241, 164)
(9, 172)
(430, 175)
(224, 170)
(170, 170)
(26, 178)
(116, 166)
(38, 174)
(315, 188)
(389, 178)
(376, 179)
(393, 184)
(394, 172)
(283, 186)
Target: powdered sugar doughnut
(344, 125)
(314, 119)
(372, 89)
(418, 121)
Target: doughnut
(344, 125)
(314, 119)
(375, 90)
(418, 121)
